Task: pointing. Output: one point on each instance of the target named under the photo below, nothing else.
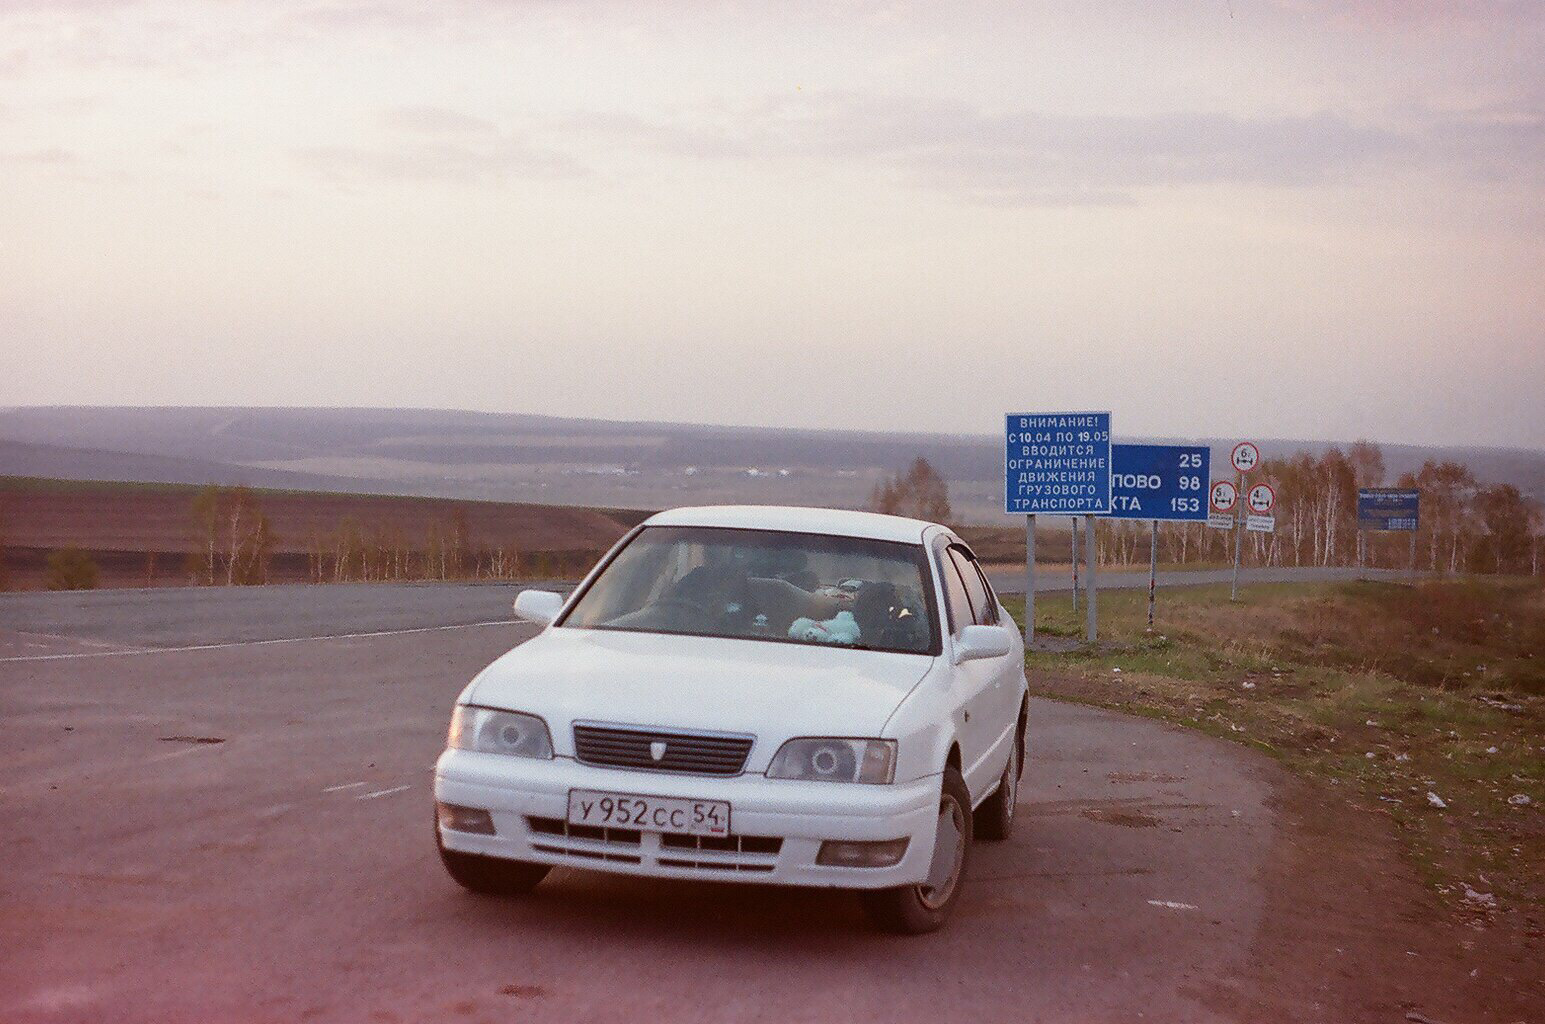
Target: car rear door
(1001, 699)
(973, 684)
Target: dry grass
(1391, 692)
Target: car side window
(982, 604)
(955, 598)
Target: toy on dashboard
(841, 628)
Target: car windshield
(765, 585)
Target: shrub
(71, 569)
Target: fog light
(842, 854)
(465, 819)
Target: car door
(972, 683)
(1007, 671)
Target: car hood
(772, 690)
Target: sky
(1320, 219)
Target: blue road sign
(1388, 508)
(1160, 481)
(1057, 463)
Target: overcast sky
(1287, 218)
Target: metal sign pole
(1093, 555)
(1153, 571)
(1075, 563)
(1029, 581)
(1239, 536)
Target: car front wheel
(491, 876)
(925, 906)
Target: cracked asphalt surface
(243, 833)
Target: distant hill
(555, 461)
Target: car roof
(791, 519)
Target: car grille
(752, 854)
(695, 753)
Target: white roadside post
(1245, 457)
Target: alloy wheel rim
(1011, 785)
(949, 854)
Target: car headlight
(835, 760)
(499, 732)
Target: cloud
(1034, 158)
(1415, 13)
(482, 162)
(47, 156)
(436, 121)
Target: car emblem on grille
(657, 749)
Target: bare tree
(206, 530)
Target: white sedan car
(775, 695)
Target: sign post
(1073, 528)
(1029, 581)
(1392, 509)
(1159, 482)
(1245, 457)
(1056, 463)
(1153, 570)
(1092, 555)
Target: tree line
(234, 544)
(1464, 527)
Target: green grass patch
(1389, 691)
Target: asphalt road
(180, 616)
(79, 621)
(243, 833)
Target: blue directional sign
(1388, 508)
(1057, 463)
(1160, 481)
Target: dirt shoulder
(1350, 932)
(1409, 876)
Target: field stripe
(253, 643)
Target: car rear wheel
(491, 876)
(995, 817)
(925, 906)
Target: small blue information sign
(1160, 481)
(1388, 508)
(1057, 463)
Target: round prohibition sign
(1224, 496)
(1261, 499)
(1245, 456)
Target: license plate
(649, 813)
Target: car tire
(921, 908)
(994, 819)
(491, 876)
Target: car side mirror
(976, 642)
(539, 606)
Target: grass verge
(1425, 703)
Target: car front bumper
(528, 802)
